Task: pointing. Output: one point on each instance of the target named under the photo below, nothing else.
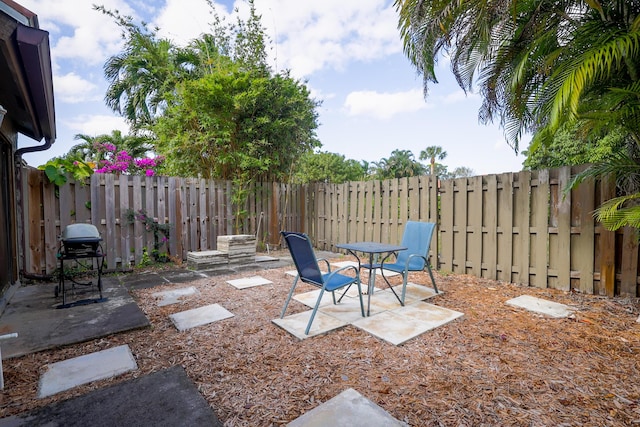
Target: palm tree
(540, 65)
(431, 153)
(537, 64)
(143, 74)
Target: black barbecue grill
(80, 243)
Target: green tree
(400, 164)
(459, 172)
(233, 124)
(144, 73)
(570, 147)
(329, 167)
(91, 149)
(539, 66)
(432, 153)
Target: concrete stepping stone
(173, 296)
(296, 324)
(80, 370)
(349, 408)
(265, 258)
(199, 316)
(415, 292)
(402, 324)
(541, 306)
(249, 282)
(310, 298)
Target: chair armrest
(426, 261)
(341, 269)
(326, 261)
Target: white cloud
(96, 124)
(81, 32)
(72, 88)
(384, 105)
(184, 20)
(312, 36)
(457, 97)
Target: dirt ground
(495, 366)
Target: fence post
(607, 244)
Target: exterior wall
(8, 212)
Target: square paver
(310, 298)
(296, 324)
(541, 306)
(416, 292)
(402, 324)
(199, 316)
(71, 373)
(349, 408)
(249, 282)
(430, 314)
(173, 296)
(347, 310)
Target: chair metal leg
(286, 304)
(313, 313)
(393, 290)
(405, 276)
(435, 287)
(360, 296)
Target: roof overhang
(26, 83)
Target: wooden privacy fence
(196, 211)
(514, 227)
(523, 228)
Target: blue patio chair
(309, 272)
(417, 239)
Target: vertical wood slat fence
(524, 228)
(196, 210)
(515, 227)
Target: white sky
(348, 52)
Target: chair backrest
(303, 256)
(417, 238)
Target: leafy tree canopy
(215, 107)
(537, 64)
(329, 167)
(400, 164)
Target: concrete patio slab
(541, 306)
(249, 282)
(199, 316)
(404, 323)
(163, 398)
(310, 298)
(348, 409)
(173, 296)
(432, 315)
(265, 258)
(341, 264)
(384, 300)
(295, 324)
(392, 327)
(292, 273)
(348, 310)
(416, 292)
(71, 373)
(33, 315)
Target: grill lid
(80, 232)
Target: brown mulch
(496, 365)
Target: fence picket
(518, 227)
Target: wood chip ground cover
(497, 365)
